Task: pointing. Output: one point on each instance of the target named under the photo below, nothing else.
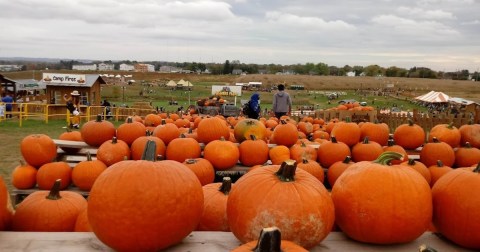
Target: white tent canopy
(433, 97)
(171, 83)
(188, 84)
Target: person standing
(73, 107)
(282, 103)
(7, 99)
(254, 104)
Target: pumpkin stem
(477, 169)
(411, 161)
(114, 140)
(226, 185)
(55, 191)
(99, 118)
(410, 122)
(253, 137)
(450, 125)
(347, 160)
(149, 152)
(129, 119)
(435, 140)
(439, 163)
(286, 172)
(365, 140)
(348, 119)
(269, 241)
(333, 139)
(386, 157)
(89, 156)
(467, 145)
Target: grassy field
(159, 96)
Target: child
(73, 106)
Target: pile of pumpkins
(149, 191)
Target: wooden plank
(200, 241)
(71, 158)
(71, 144)
(83, 151)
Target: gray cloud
(441, 34)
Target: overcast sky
(443, 35)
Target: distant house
(237, 71)
(126, 67)
(10, 67)
(144, 68)
(90, 67)
(106, 67)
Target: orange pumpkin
(49, 211)
(114, 151)
(375, 131)
(221, 153)
(270, 240)
(285, 134)
(38, 149)
(183, 148)
(312, 167)
(138, 147)
(49, 173)
(347, 132)
(96, 132)
(391, 146)
(332, 151)
(253, 152)
(86, 172)
(301, 151)
(278, 154)
(436, 150)
(161, 205)
(470, 133)
(24, 176)
(212, 128)
(271, 196)
(446, 133)
(337, 168)
(214, 217)
(356, 196)
(6, 208)
(437, 171)
(419, 167)
(130, 130)
(366, 150)
(467, 156)
(82, 224)
(409, 135)
(456, 213)
(202, 168)
(167, 132)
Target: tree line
(237, 67)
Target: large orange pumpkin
(130, 130)
(445, 133)
(470, 133)
(183, 148)
(38, 149)
(167, 132)
(282, 196)
(285, 133)
(375, 131)
(381, 204)
(436, 150)
(347, 132)
(144, 205)
(49, 211)
(332, 151)
(456, 212)
(467, 155)
(113, 151)
(253, 152)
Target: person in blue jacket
(7, 99)
(254, 106)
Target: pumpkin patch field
(136, 186)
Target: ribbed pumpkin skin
(382, 204)
(212, 128)
(48, 173)
(158, 204)
(214, 217)
(38, 214)
(82, 224)
(96, 132)
(301, 209)
(456, 212)
(24, 176)
(38, 149)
